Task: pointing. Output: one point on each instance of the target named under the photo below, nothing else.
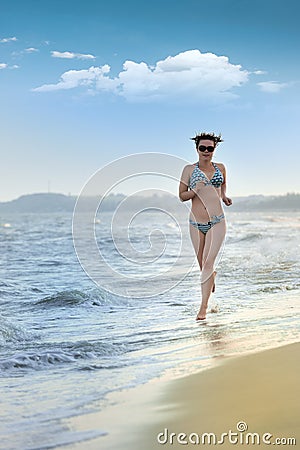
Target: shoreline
(259, 389)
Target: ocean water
(67, 342)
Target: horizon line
(121, 193)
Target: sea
(73, 330)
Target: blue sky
(85, 82)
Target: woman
(205, 184)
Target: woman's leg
(198, 240)
(213, 241)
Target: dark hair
(209, 136)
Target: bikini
(216, 181)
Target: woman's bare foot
(201, 314)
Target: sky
(83, 83)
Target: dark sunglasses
(202, 148)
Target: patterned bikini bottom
(205, 227)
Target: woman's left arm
(224, 197)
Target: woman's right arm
(184, 193)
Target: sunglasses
(202, 148)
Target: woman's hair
(209, 136)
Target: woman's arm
(184, 193)
(224, 197)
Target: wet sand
(258, 391)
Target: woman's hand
(227, 200)
(186, 195)
(198, 187)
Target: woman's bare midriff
(206, 204)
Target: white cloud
(28, 50)
(190, 75)
(31, 50)
(94, 77)
(272, 86)
(71, 55)
(6, 66)
(259, 72)
(5, 40)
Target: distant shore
(55, 202)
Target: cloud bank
(272, 86)
(191, 75)
(31, 50)
(6, 66)
(10, 39)
(71, 55)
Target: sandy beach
(250, 400)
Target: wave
(9, 332)
(5, 284)
(64, 298)
(44, 358)
(16, 289)
(51, 263)
(285, 219)
(278, 288)
(248, 237)
(75, 297)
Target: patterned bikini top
(198, 175)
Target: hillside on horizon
(55, 202)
